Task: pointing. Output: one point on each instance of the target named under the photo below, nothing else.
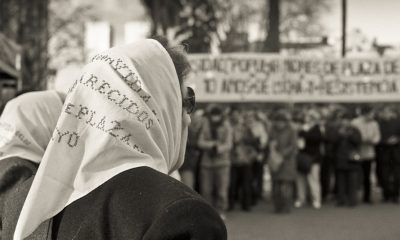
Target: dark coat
(287, 146)
(13, 171)
(347, 142)
(386, 152)
(140, 203)
(313, 140)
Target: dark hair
(365, 109)
(178, 55)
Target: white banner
(272, 78)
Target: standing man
(370, 136)
(388, 155)
(216, 142)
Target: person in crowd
(370, 135)
(123, 128)
(216, 142)
(244, 152)
(331, 127)
(26, 126)
(348, 139)
(388, 155)
(282, 161)
(311, 148)
(259, 133)
(192, 156)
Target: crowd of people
(313, 154)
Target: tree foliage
(209, 21)
(26, 22)
(66, 27)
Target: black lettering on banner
(210, 85)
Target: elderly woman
(283, 146)
(123, 128)
(26, 126)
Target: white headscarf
(125, 111)
(27, 124)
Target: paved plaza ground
(365, 222)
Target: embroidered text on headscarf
(113, 127)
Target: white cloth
(125, 111)
(27, 124)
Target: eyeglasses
(189, 102)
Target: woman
(122, 129)
(283, 146)
(312, 138)
(216, 142)
(26, 126)
(347, 157)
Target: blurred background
(254, 59)
(43, 39)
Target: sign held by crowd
(265, 77)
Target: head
(345, 117)
(236, 115)
(367, 112)
(282, 119)
(215, 114)
(182, 66)
(27, 124)
(249, 117)
(387, 113)
(312, 117)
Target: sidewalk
(364, 222)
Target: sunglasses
(189, 102)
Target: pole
(344, 23)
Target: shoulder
(144, 204)
(187, 217)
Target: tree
(197, 20)
(292, 20)
(26, 22)
(66, 38)
(272, 42)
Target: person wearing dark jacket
(347, 167)
(388, 155)
(328, 172)
(26, 126)
(243, 152)
(138, 204)
(283, 146)
(312, 140)
(122, 130)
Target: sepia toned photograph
(199, 120)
